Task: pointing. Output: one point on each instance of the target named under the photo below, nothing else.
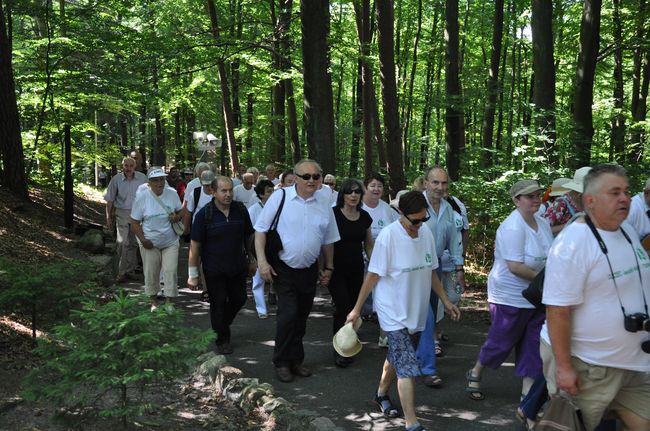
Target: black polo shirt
(222, 238)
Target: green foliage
(111, 353)
(47, 291)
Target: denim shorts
(401, 353)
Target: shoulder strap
(159, 201)
(197, 196)
(276, 218)
(454, 204)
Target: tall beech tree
(492, 84)
(318, 99)
(226, 103)
(385, 42)
(583, 96)
(11, 146)
(455, 129)
(544, 79)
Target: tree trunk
(292, 116)
(583, 129)
(278, 91)
(425, 136)
(487, 130)
(618, 122)
(225, 93)
(367, 90)
(158, 154)
(319, 112)
(454, 133)
(639, 135)
(409, 95)
(638, 104)
(499, 135)
(389, 96)
(544, 84)
(250, 105)
(357, 119)
(11, 145)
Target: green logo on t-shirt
(380, 223)
(427, 257)
(641, 253)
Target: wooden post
(68, 195)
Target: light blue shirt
(445, 234)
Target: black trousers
(295, 289)
(344, 288)
(227, 296)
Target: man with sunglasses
(441, 221)
(307, 227)
(330, 182)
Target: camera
(637, 322)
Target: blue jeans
(426, 351)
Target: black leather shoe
(224, 349)
(300, 370)
(284, 374)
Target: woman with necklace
(521, 247)
(356, 237)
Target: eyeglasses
(308, 177)
(355, 191)
(417, 221)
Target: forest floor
(32, 233)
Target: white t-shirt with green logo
(404, 264)
(517, 242)
(578, 276)
(382, 215)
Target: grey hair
(434, 168)
(305, 161)
(200, 167)
(591, 181)
(647, 184)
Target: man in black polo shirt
(222, 236)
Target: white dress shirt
(305, 225)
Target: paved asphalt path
(344, 395)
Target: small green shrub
(111, 354)
(43, 292)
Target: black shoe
(284, 374)
(300, 370)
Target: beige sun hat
(557, 188)
(576, 184)
(345, 341)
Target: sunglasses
(329, 184)
(308, 177)
(417, 221)
(355, 191)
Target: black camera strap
(603, 248)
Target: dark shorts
(401, 353)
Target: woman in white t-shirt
(152, 215)
(402, 271)
(522, 244)
(263, 190)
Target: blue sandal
(386, 406)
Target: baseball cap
(523, 187)
(155, 173)
(207, 177)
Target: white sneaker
(383, 341)
(154, 307)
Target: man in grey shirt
(119, 199)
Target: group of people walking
(297, 231)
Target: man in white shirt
(639, 216)
(271, 174)
(596, 280)
(307, 227)
(330, 181)
(196, 181)
(119, 198)
(245, 192)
